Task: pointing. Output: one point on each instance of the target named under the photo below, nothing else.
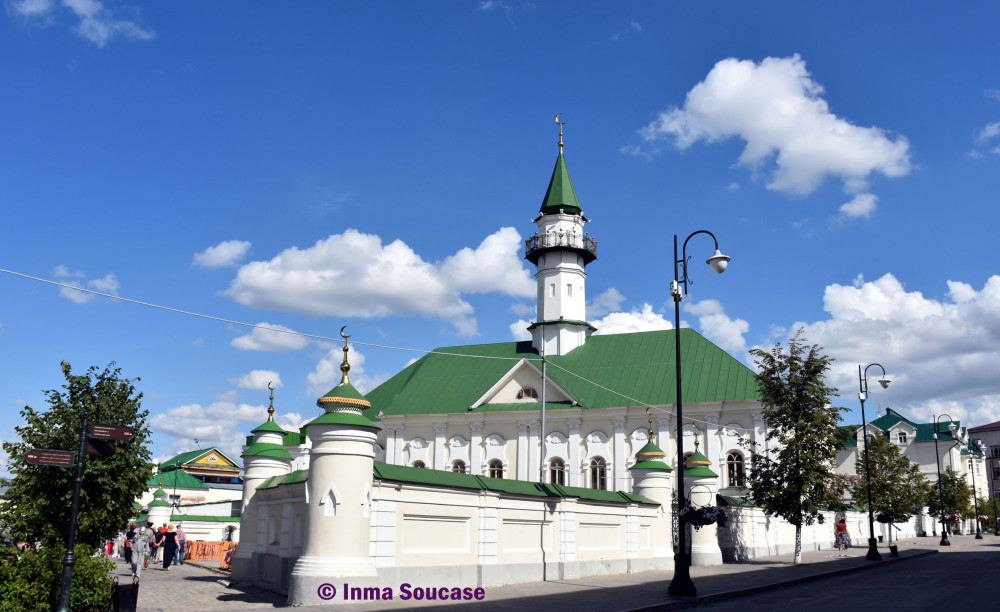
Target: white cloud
(989, 131)
(635, 321)
(733, 187)
(326, 375)
(519, 330)
(95, 22)
(107, 284)
(257, 379)
(62, 271)
(863, 205)
(637, 151)
(223, 255)
(715, 325)
(355, 275)
(267, 340)
(941, 353)
(775, 106)
(608, 301)
(993, 93)
(495, 265)
(228, 396)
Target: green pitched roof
(176, 478)
(402, 473)
(191, 456)
(560, 193)
(925, 431)
(344, 418)
(640, 365)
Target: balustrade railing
(560, 239)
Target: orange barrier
(200, 550)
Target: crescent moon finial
(345, 337)
(270, 408)
(560, 124)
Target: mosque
(491, 464)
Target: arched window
(527, 393)
(458, 466)
(419, 464)
(496, 468)
(598, 473)
(735, 470)
(557, 471)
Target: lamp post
(681, 584)
(972, 468)
(937, 456)
(873, 554)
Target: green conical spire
(560, 194)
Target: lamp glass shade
(884, 382)
(718, 261)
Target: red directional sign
(59, 458)
(111, 432)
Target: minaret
(560, 250)
(160, 509)
(338, 495)
(265, 458)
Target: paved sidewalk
(196, 589)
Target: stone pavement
(196, 589)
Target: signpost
(58, 458)
(111, 432)
(101, 448)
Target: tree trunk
(798, 545)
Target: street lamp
(972, 468)
(937, 455)
(863, 395)
(681, 584)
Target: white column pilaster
(574, 453)
(522, 450)
(440, 430)
(476, 449)
(534, 466)
(619, 483)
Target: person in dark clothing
(169, 544)
(128, 543)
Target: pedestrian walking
(140, 552)
(150, 533)
(181, 545)
(842, 538)
(129, 537)
(169, 546)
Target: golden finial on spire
(695, 428)
(270, 408)
(345, 367)
(560, 123)
(650, 424)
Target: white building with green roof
(490, 464)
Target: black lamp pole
(873, 554)
(975, 499)
(937, 455)
(681, 584)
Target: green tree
(792, 472)
(899, 490)
(957, 496)
(39, 497)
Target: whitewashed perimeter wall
(468, 537)
(751, 534)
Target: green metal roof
(291, 478)
(699, 472)
(266, 449)
(925, 431)
(191, 456)
(560, 193)
(640, 365)
(176, 478)
(652, 465)
(269, 426)
(402, 473)
(344, 418)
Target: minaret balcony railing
(539, 243)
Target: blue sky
(378, 165)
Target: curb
(692, 602)
(214, 570)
